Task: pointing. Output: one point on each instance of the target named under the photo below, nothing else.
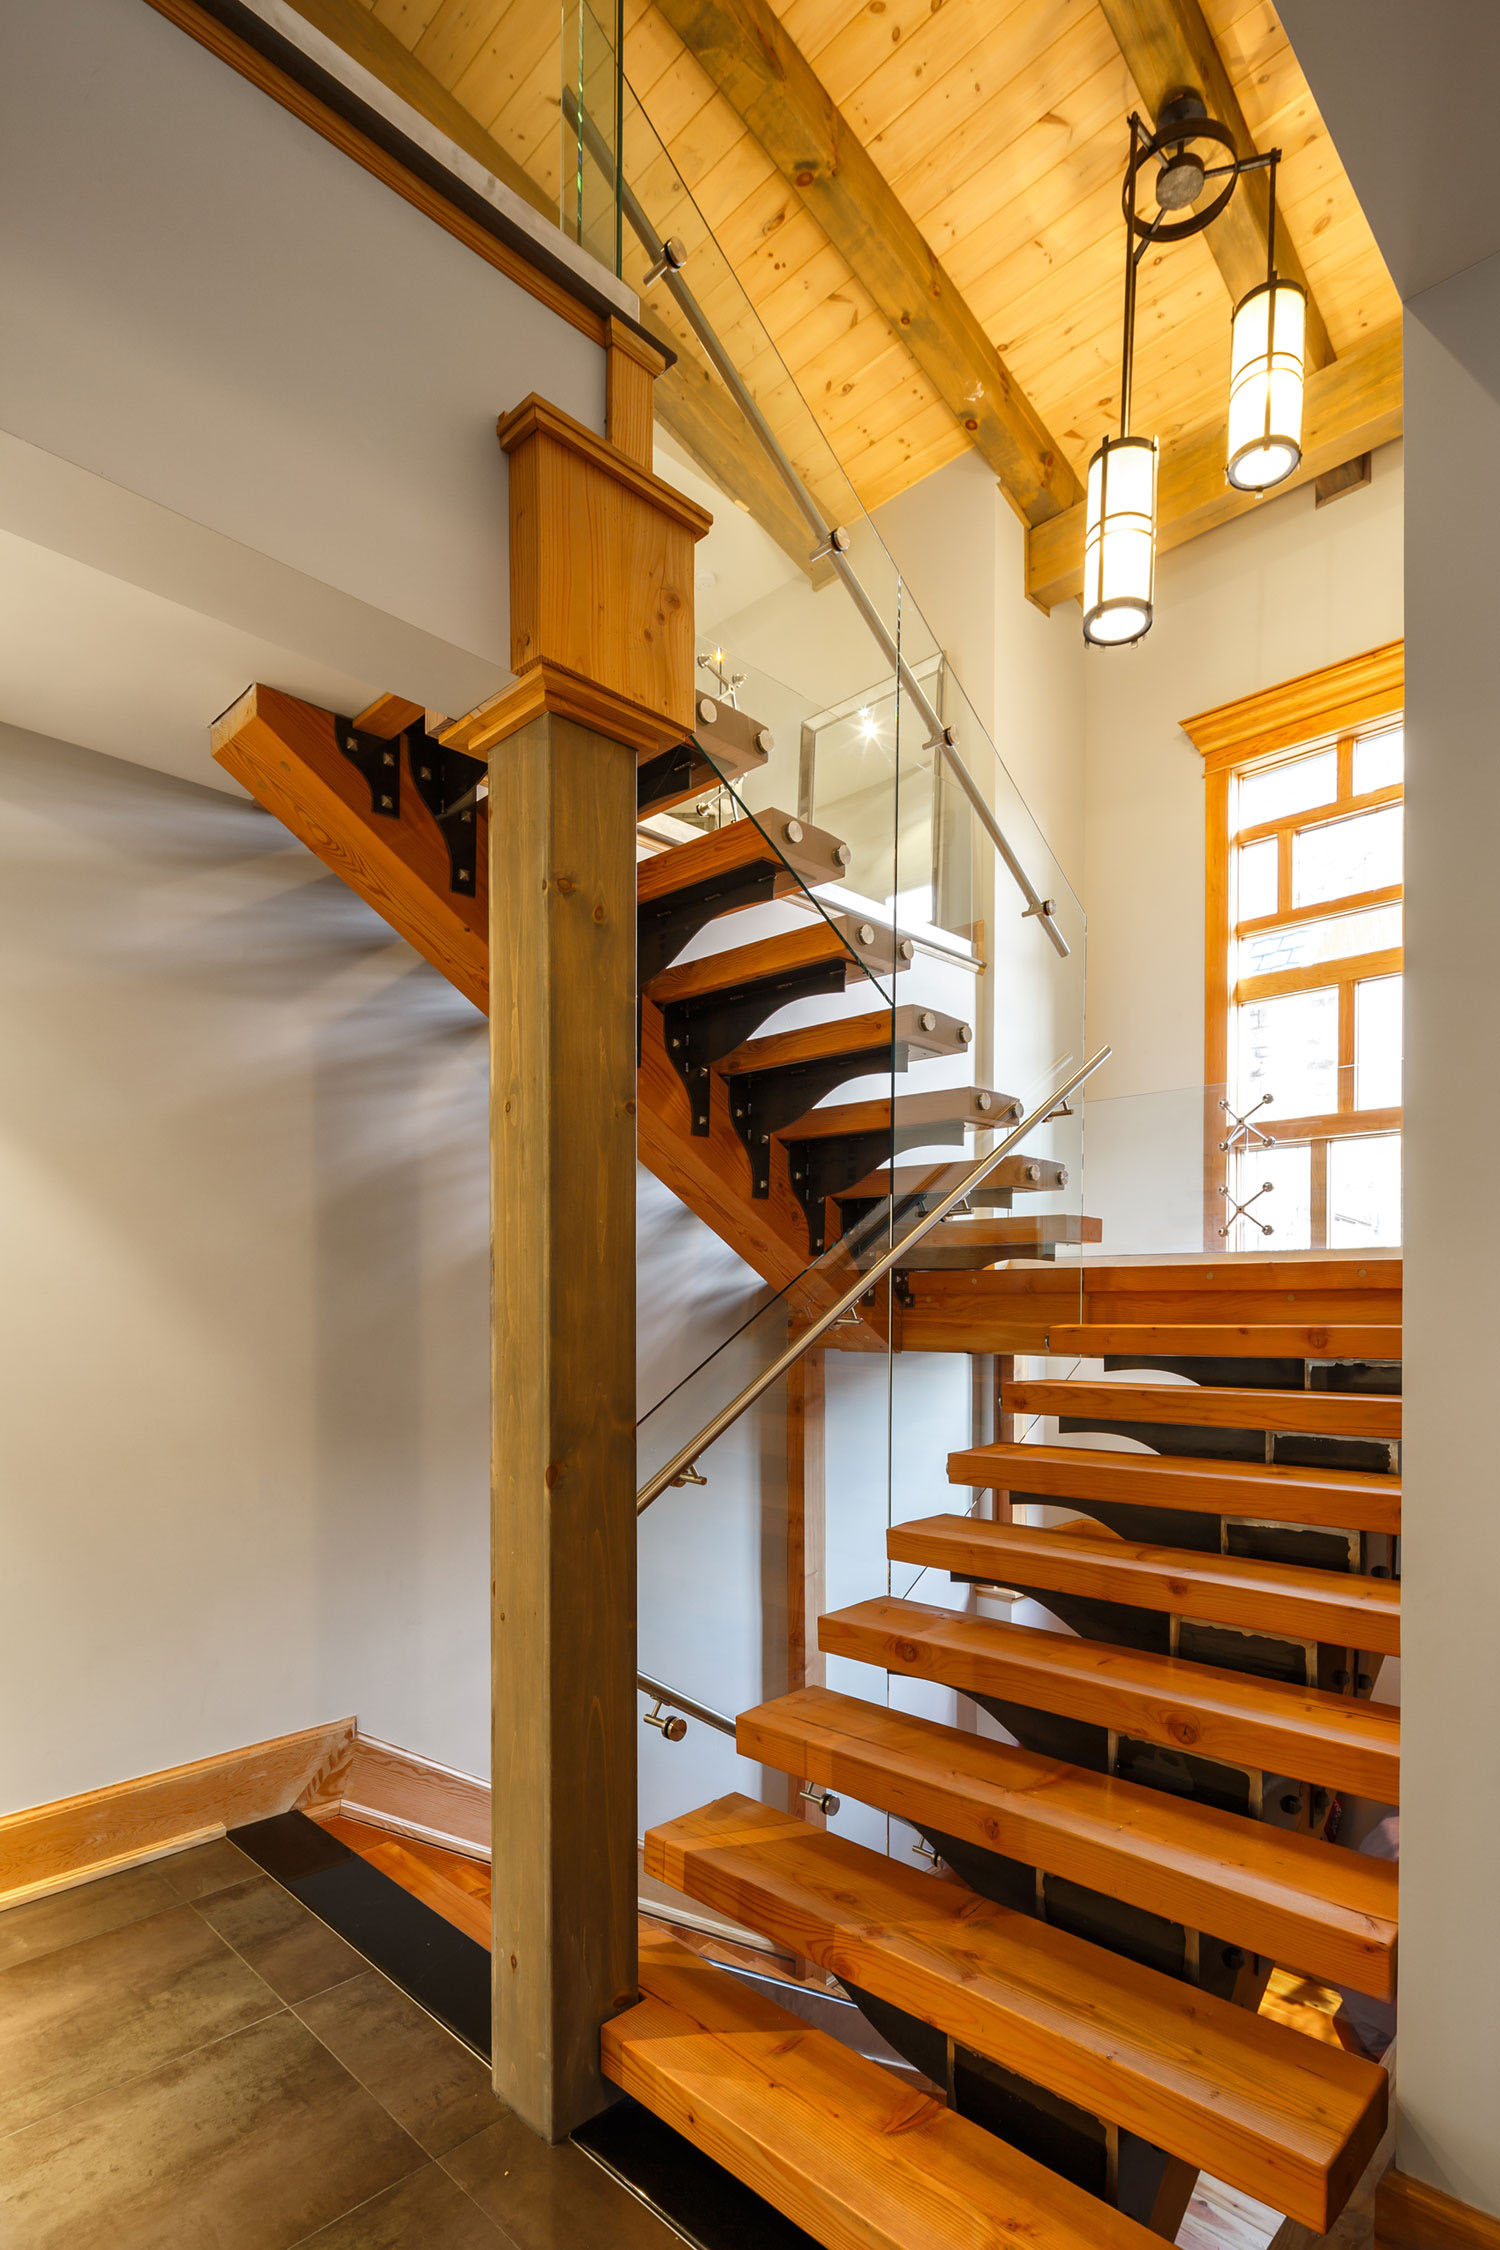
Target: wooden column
(601, 614)
(806, 1525)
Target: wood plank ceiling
(1000, 125)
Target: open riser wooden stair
(736, 1116)
(1080, 1966)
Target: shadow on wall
(245, 1333)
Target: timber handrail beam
(665, 265)
(687, 1455)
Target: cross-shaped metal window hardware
(1254, 1137)
(1243, 1210)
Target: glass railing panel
(589, 210)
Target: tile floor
(189, 2060)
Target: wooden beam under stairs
(1349, 1499)
(1279, 2116)
(1206, 1406)
(1327, 1912)
(833, 2141)
(881, 1038)
(1232, 1718)
(1256, 1597)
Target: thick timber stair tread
(943, 1106)
(1204, 1340)
(960, 1243)
(1232, 1717)
(769, 960)
(884, 1034)
(1311, 1906)
(775, 840)
(839, 2145)
(929, 1182)
(1280, 2116)
(1257, 1597)
(1207, 1406)
(1269, 1492)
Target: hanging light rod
(1267, 355)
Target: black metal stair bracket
(665, 925)
(762, 1101)
(378, 758)
(447, 781)
(670, 776)
(820, 1168)
(699, 1032)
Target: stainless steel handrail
(941, 738)
(675, 1702)
(978, 1172)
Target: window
(1304, 962)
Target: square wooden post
(601, 641)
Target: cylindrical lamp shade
(1266, 357)
(1119, 542)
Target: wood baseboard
(1409, 2215)
(52, 1847)
(410, 1796)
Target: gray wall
(1450, 1960)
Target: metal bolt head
(1290, 1803)
(906, 950)
(866, 933)
(842, 854)
(388, 757)
(385, 804)
(426, 772)
(984, 1103)
(793, 832)
(964, 1034)
(927, 1020)
(1033, 1173)
(765, 740)
(708, 710)
(1062, 1175)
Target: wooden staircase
(1116, 1875)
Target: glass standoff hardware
(1254, 1137)
(672, 258)
(824, 1799)
(1243, 1210)
(836, 543)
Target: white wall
(1450, 1965)
(1283, 590)
(244, 1435)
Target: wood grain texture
(49, 1847)
(1270, 1340)
(1351, 406)
(286, 753)
(1167, 46)
(1331, 1913)
(1335, 697)
(768, 957)
(888, 1035)
(754, 62)
(1255, 1597)
(562, 1106)
(806, 1517)
(1410, 2215)
(1351, 1499)
(601, 562)
(631, 367)
(1197, 1708)
(1207, 1406)
(773, 839)
(1281, 2116)
(406, 1795)
(831, 2140)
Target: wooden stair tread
(774, 839)
(1206, 1406)
(920, 1031)
(835, 2142)
(1343, 1499)
(1311, 1906)
(944, 1105)
(1012, 1175)
(959, 1242)
(1244, 1340)
(759, 963)
(1282, 2117)
(1340, 1741)
(1259, 1597)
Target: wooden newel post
(601, 573)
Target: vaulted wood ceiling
(989, 210)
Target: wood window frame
(1330, 707)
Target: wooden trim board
(1410, 2215)
(103, 1831)
(409, 1796)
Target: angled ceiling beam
(692, 404)
(1351, 406)
(1168, 48)
(772, 87)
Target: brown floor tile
(427, 2212)
(252, 2143)
(44, 1925)
(552, 2198)
(113, 2006)
(207, 1868)
(296, 1953)
(429, 2083)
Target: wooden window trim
(1333, 704)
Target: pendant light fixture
(1267, 339)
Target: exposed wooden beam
(769, 83)
(695, 407)
(1351, 406)
(1168, 47)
